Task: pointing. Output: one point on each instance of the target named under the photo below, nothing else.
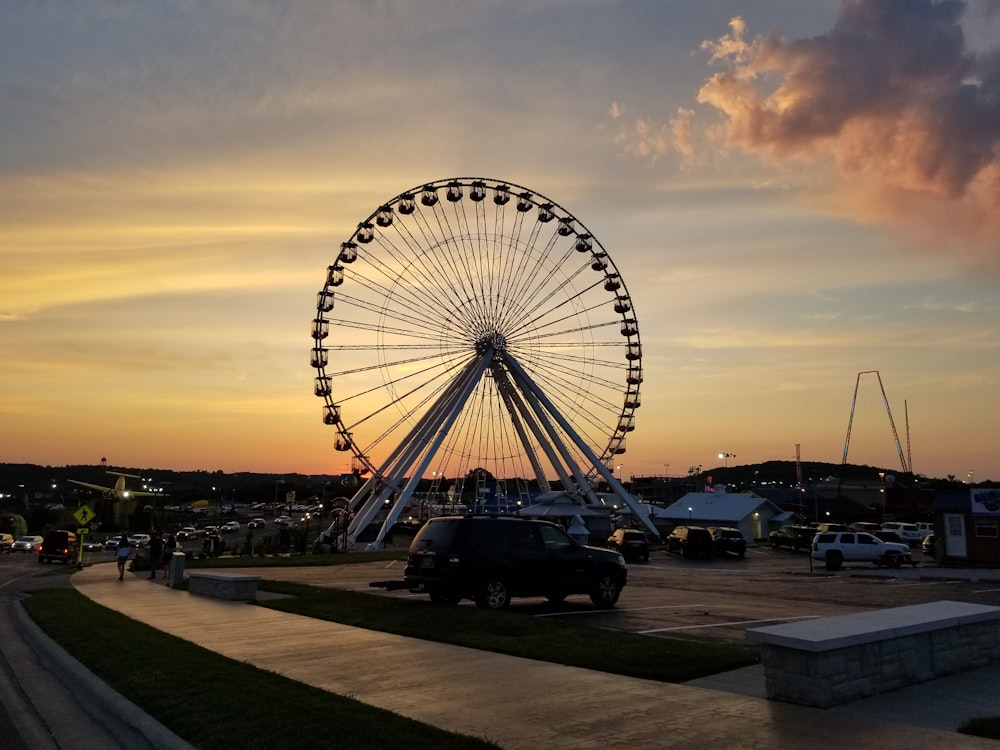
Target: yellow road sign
(83, 531)
(84, 515)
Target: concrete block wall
(828, 678)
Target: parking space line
(619, 610)
(726, 624)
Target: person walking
(155, 553)
(169, 548)
(121, 554)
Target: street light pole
(726, 456)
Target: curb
(103, 701)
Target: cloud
(893, 99)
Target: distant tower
(798, 466)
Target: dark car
(691, 541)
(887, 536)
(927, 545)
(60, 546)
(728, 540)
(632, 544)
(491, 559)
(793, 537)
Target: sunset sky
(794, 192)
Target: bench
(232, 586)
(833, 660)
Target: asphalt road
(715, 599)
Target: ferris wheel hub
(495, 341)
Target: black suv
(795, 537)
(59, 545)
(490, 559)
(691, 541)
(728, 539)
(631, 543)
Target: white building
(753, 515)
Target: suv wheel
(493, 594)
(834, 559)
(606, 590)
(893, 560)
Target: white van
(908, 532)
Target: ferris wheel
(474, 333)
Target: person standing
(155, 553)
(121, 554)
(169, 548)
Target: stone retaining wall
(803, 666)
(223, 586)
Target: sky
(794, 192)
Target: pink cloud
(893, 96)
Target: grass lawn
(545, 639)
(215, 702)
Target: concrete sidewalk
(517, 703)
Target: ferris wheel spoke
(399, 308)
(397, 298)
(438, 358)
(539, 315)
(435, 370)
(586, 401)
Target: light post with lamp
(274, 505)
(725, 456)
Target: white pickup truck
(837, 547)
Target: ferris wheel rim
(461, 189)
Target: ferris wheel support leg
(426, 445)
(366, 504)
(520, 415)
(422, 443)
(606, 474)
(568, 466)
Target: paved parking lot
(716, 599)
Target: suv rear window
(436, 535)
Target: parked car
(868, 526)
(92, 545)
(925, 528)
(230, 527)
(837, 547)
(690, 541)
(139, 541)
(631, 543)
(927, 545)
(256, 523)
(6, 542)
(26, 543)
(887, 536)
(793, 537)
(908, 532)
(59, 546)
(492, 559)
(728, 540)
(831, 527)
(188, 532)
